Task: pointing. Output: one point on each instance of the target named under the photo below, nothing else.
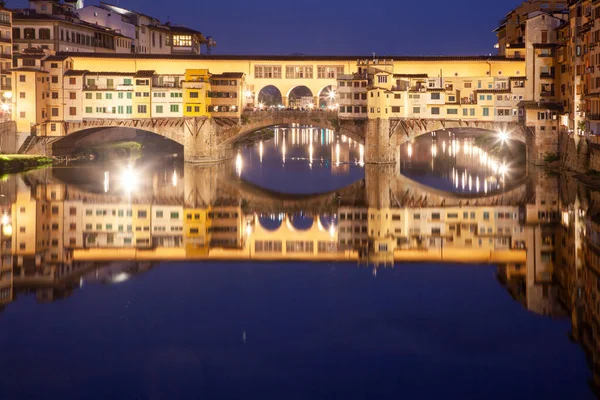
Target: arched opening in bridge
(301, 222)
(270, 96)
(465, 160)
(114, 142)
(301, 97)
(271, 222)
(327, 97)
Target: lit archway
(301, 97)
(327, 96)
(270, 96)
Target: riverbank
(13, 163)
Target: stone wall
(8, 137)
(578, 157)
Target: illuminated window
(182, 41)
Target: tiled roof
(29, 69)
(410, 75)
(285, 58)
(111, 73)
(144, 74)
(533, 105)
(229, 75)
(56, 58)
(75, 72)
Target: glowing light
(331, 95)
(239, 164)
(7, 230)
(129, 179)
(503, 169)
(4, 219)
(337, 154)
(260, 151)
(310, 154)
(248, 93)
(5, 107)
(7, 95)
(248, 230)
(283, 151)
(120, 277)
(174, 178)
(503, 136)
(106, 182)
(361, 155)
(311, 106)
(332, 231)
(477, 187)
(410, 150)
(434, 150)
(261, 106)
(444, 147)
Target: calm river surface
(263, 303)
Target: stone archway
(326, 96)
(269, 96)
(301, 97)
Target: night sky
(335, 27)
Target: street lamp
(503, 136)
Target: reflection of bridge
(383, 186)
(211, 139)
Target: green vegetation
(114, 150)
(11, 163)
(549, 158)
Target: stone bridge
(204, 186)
(212, 139)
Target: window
(98, 96)
(267, 71)
(435, 96)
(175, 215)
(435, 110)
(452, 111)
(182, 40)
(486, 112)
(159, 109)
(193, 95)
(486, 216)
(54, 111)
(108, 96)
(142, 214)
(129, 109)
(416, 110)
(174, 107)
(22, 78)
(88, 96)
(72, 110)
(142, 109)
(382, 79)
(73, 95)
(28, 33)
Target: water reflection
(300, 159)
(67, 227)
(452, 161)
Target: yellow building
(195, 93)
(195, 230)
(141, 94)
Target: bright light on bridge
(5, 107)
(503, 136)
(129, 179)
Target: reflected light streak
(174, 178)
(260, 151)
(106, 182)
(337, 154)
(410, 150)
(239, 165)
(361, 155)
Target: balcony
(5, 40)
(547, 94)
(547, 75)
(124, 87)
(7, 56)
(593, 117)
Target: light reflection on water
(447, 161)
(301, 160)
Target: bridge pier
(381, 145)
(201, 142)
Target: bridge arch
(297, 94)
(407, 129)
(97, 137)
(324, 95)
(270, 95)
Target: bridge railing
(289, 112)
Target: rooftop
(284, 57)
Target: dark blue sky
(335, 27)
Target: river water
(270, 276)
